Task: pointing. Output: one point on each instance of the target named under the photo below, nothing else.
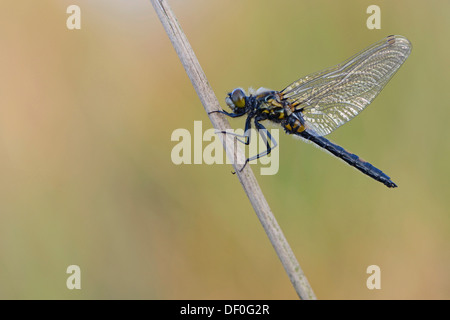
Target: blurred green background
(86, 118)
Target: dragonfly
(316, 105)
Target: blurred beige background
(86, 176)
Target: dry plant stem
(246, 176)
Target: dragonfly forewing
(329, 98)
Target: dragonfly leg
(230, 114)
(246, 135)
(267, 138)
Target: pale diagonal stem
(246, 176)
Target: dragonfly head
(236, 100)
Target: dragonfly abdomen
(350, 158)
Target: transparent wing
(334, 96)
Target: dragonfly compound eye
(238, 98)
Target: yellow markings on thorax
(277, 113)
(294, 105)
(297, 128)
(275, 103)
(273, 108)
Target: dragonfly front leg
(267, 138)
(230, 114)
(247, 131)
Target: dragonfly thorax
(263, 102)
